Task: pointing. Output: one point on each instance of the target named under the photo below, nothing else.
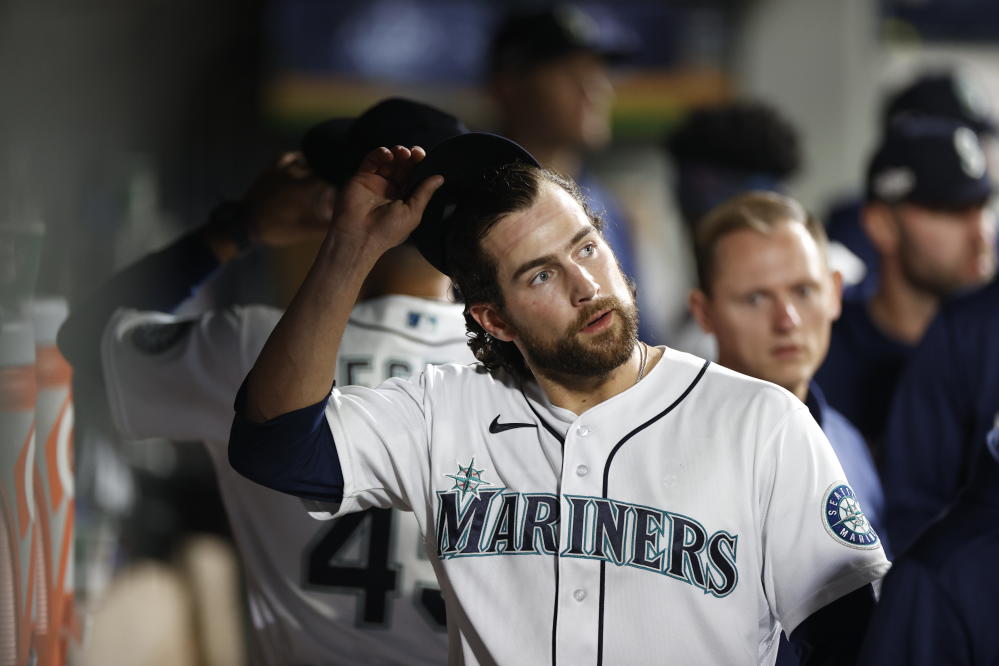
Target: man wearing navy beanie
(926, 213)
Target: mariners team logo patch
(468, 480)
(845, 520)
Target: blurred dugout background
(123, 122)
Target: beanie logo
(894, 184)
(970, 151)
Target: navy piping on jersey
(412, 338)
(555, 433)
(607, 466)
(558, 549)
(561, 440)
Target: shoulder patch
(157, 338)
(845, 521)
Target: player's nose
(786, 316)
(583, 285)
(981, 226)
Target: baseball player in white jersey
(586, 498)
(358, 590)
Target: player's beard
(940, 281)
(933, 281)
(574, 355)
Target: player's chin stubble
(576, 355)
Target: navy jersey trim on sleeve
(293, 453)
(833, 634)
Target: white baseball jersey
(686, 520)
(355, 591)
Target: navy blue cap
(465, 161)
(947, 94)
(929, 161)
(334, 148)
(533, 38)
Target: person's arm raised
(296, 367)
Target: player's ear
(880, 227)
(697, 301)
(493, 321)
(836, 295)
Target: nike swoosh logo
(496, 426)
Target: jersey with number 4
(685, 520)
(358, 590)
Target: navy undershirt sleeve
(916, 623)
(160, 281)
(293, 453)
(833, 634)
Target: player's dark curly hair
(507, 190)
(749, 136)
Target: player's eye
(804, 290)
(588, 250)
(754, 298)
(541, 277)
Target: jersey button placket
(578, 576)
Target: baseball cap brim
(465, 162)
(973, 193)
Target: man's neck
(900, 310)
(402, 271)
(579, 394)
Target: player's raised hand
(287, 204)
(373, 203)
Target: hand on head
(372, 204)
(287, 204)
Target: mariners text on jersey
(494, 522)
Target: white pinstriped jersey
(355, 591)
(685, 520)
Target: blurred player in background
(769, 297)
(946, 402)
(944, 93)
(351, 591)
(717, 153)
(550, 79)
(928, 187)
(938, 603)
(722, 151)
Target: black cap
(929, 161)
(946, 94)
(334, 148)
(526, 39)
(465, 162)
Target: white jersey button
(579, 595)
(582, 431)
(582, 470)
